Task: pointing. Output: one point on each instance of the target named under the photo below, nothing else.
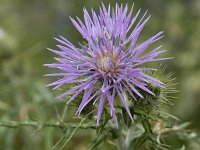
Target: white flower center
(106, 64)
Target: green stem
(141, 141)
(147, 126)
(72, 133)
(64, 113)
(35, 124)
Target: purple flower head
(112, 58)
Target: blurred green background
(27, 27)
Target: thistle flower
(111, 57)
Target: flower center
(106, 64)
